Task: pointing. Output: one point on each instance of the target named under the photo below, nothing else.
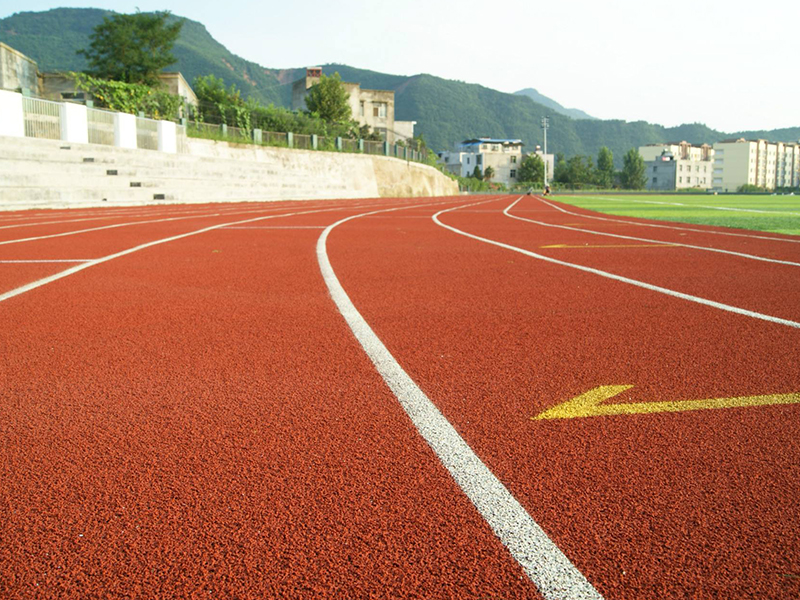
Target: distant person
(547, 190)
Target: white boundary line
(72, 270)
(728, 208)
(638, 239)
(547, 566)
(60, 260)
(675, 227)
(606, 274)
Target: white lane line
(547, 566)
(132, 223)
(638, 239)
(71, 271)
(728, 208)
(281, 227)
(60, 260)
(675, 227)
(641, 284)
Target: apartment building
(503, 155)
(760, 163)
(374, 108)
(678, 165)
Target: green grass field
(778, 214)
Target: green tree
(132, 48)
(633, 171)
(476, 173)
(488, 174)
(561, 169)
(531, 169)
(605, 168)
(580, 170)
(330, 100)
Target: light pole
(545, 127)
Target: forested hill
(446, 111)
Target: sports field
(779, 214)
(466, 397)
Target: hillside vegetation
(446, 111)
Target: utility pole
(545, 127)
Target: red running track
(195, 419)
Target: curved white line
(638, 239)
(606, 274)
(660, 226)
(547, 566)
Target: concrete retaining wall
(36, 173)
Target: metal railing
(275, 138)
(373, 147)
(146, 133)
(101, 126)
(299, 141)
(42, 118)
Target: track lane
(674, 505)
(766, 288)
(97, 246)
(190, 423)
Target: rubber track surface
(195, 420)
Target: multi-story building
(760, 163)
(677, 166)
(504, 156)
(374, 108)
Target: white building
(504, 156)
(760, 163)
(677, 166)
(374, 108)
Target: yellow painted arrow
(591, 404)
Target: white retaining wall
(37, 173)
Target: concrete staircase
(37, 173)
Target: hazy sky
(731, 64)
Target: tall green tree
(633, 171)
(561, 169)
(531, 169)
(488, 173)
(132, 48)
(330, 100)
(580, 170)
(605, 168)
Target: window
(655, 169)
(513, 173)
(655, 181)
(513, 159)
(379, 110)
(680, 179)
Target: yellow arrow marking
(591, 404)
(612, 246)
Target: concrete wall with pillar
(124, 130)
(74, 123)
(167, 137)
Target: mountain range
(446, 111)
